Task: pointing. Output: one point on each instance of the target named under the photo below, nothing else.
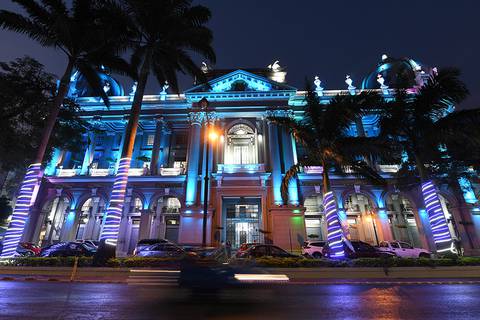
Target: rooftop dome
(403, 72)
(79, 86)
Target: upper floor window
(241, 145)
(150, 139)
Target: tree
(26, 94)
(424, 129)
(5, 209)
(323, 132)
(89, 37)
(164, 34)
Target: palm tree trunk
(52, 117)
(436, 215)
(334, 227)
(30, 183)
(114, 213)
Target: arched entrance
(90, 219)
(362, 219)
(54, 212)
(166, 220)
(401, 217)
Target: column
(158, 225)
(88, 233)
(288, 156)
(87, 160)
(164, 147)
(145, 224)
(51, 168)
(211, 123)
(193, 157)
(154, 166)
(120, 147)
(275, 166)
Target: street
(55, 300)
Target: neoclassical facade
(247, 159)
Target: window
(150, 139)
(277, 252)
(406, 245)
(241, 145)
(383, 245)
(395, 245)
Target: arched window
(241, 145)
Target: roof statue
(205, 67)
(318, 86)
(134, 89)
(349, 82)
(381, 81)
(106, 87)
(275, 67)
(163, 93)
(384, 57)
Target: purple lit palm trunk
(334, 228)
(21, 211)
(27, 196)
(117, 199)
(436, 216)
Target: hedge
(140, 262)
(362, 262)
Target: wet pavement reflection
(45, 300)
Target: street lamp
(371, 217)
(210, 134)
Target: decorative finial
(106, 87)
(134, 89)
(349, 82)
(384, 57)
(318, 86)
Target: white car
(313, 248)
(404, 250)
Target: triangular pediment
(240, 81)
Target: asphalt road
(46, 300)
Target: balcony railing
(241, 168)
(171, 171)
(388, 168)
(67, 172)
(313, 170)
(102, 172)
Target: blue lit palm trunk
(27, 195)
(334, 227)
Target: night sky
(325, 38)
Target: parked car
(145, 243)
(359, 249)
(264, 250)
(28, 249)
(313, 248)
(244, 247)
(68, 249)
(91, 243)
(404, 250)
(163, 250)
(25, 249)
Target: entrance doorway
(241, 221)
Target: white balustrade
(67, 172)
(171, 171)
(241, 168)
(313, 170)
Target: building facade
(247, 157)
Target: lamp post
(370, 213)
(209, 135)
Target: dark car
(145, 243)
(264, 250)
(68, 249)
(359, 249)
(162, 250)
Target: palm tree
(424, 128)
(164, 34)
(323, 132)
(87, 40)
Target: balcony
(67, 172)
(390, 168)
(241, 168)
